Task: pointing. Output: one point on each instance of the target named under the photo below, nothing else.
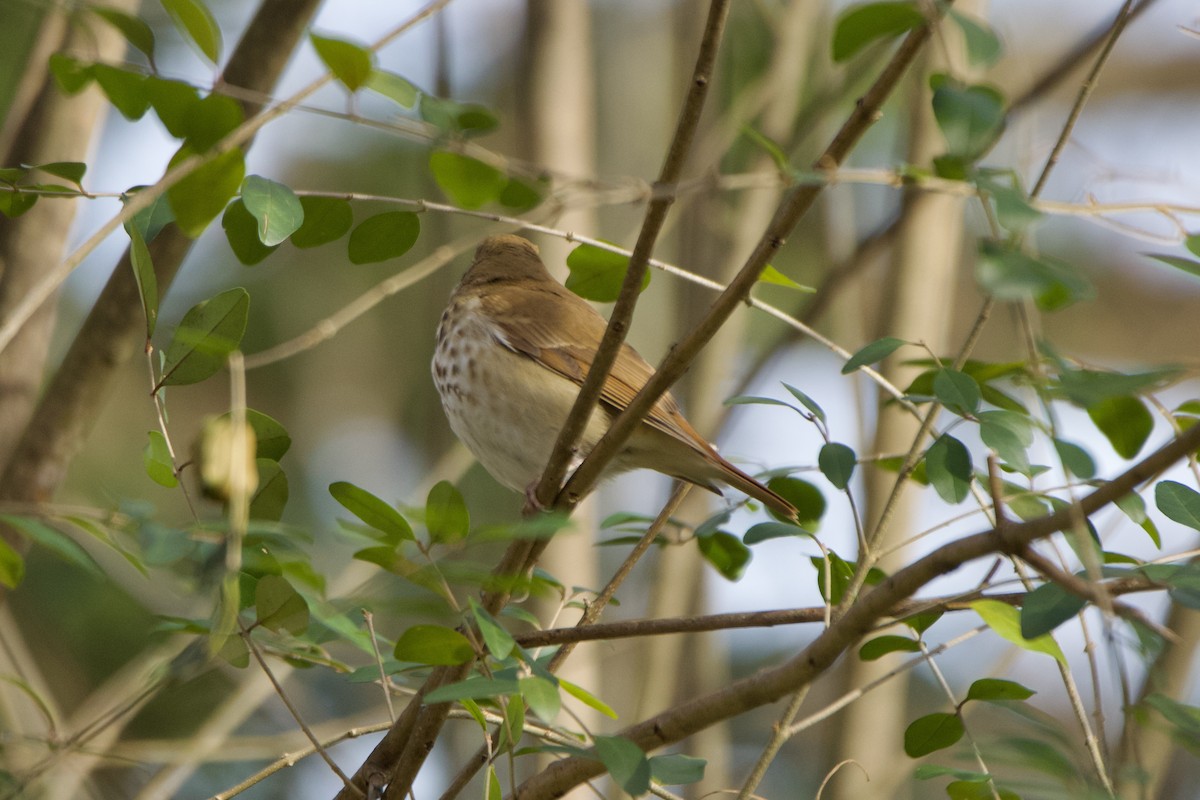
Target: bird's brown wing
(562, 333)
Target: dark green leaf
(541, 695)
(172, 101)
(998, 689)
(806, 401)
(197, 199)
(1181, 263)
(923, 621)
(948, 466)
(859, 26)
(241, 231)
(970, 117)
(772, 530)
(446, 514)
(597, 274)
(872, 353)
(209, 120)
(434, 644)
(1075, 459)
(72, 171)
(1134, 507)
(928, 771)
(272, 493)
(279, 607)
(808, 500)
(837, 462)
(124, 89)
(840, 573)
(151, 220)
(1087, 387)
(468, 182)
(393, 87)
(1047, 607)
(677, 769)
(726, 553)
(326, 219)
(957, 391)
(520, 196)
(1006, 622)
(157, 459)
(14, 203)
(373, 511)
(134, 29)
(473, 689)
(275, 206)
(1179, 503)
(193, 19)
(931, 733)
(12, 566)
(1124, 421)
(143, 275)
(983, 45)
(72, 75)
(500, 642)
(205, 337)
(383, 236)
(972, 790)
(466, 119)
(882, 645)
(1011, 275)
(350, 63)
(625, 762)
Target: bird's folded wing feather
(563, 336)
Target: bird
(513, 348)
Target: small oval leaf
(383, 236)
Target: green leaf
(12, 566)
(383, 236)
(72, 171)
(514, 726)
(983, 45)
(468, 182)
(598, 274)
(270, 438)
(157, 458)
(859, 26)
(923, 621)
(521, 196)
(435, 645)
(973, 790)
(193, 19)
(1047, 607)
(948, 466)
(1009, 434)
(134, 29)
(55, 541)
(1183, 717)
(393, 87)
(271, 496)
(774, 277)
(446, 515)
(1134, 507)
(209, 120)
(1075, 459)
(1179, 503)
(473, 689)
(1014, 209)
(1011, 275)
(124, 89)
(15, 203)
(957, 391)
(172, 101)
(1087, 387)
(808, 500)
(541, 695)
(772, 530)
(241, 231)
(373, 511)
(931, 733)
(205, 337)
(625, 762)
(350, 63)
(152, 219)
(971, 118)
(998, 689)
(326, 219)
(677, 769)
(275, 206)
(837, 462)
(1181, 263)
(143, 275)
(806, 401)
(465, 119)
(1124, 421)
(726, 553)
(494, 790)
(201, 196)
(279, 607)
(587, 698)
(882, 645)
(929, 771)
(72, 75)
(873, 353)
(1006, 622)
(500, 642)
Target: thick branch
(681, 721)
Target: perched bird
(513, 347)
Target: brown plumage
(513, 347)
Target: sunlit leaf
(598, 274)
(1006, 622)
(468, 182)
(197, 199)
(196, 23)
(352, 64)
(274, 206)
(157, 459)
(446, 515)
